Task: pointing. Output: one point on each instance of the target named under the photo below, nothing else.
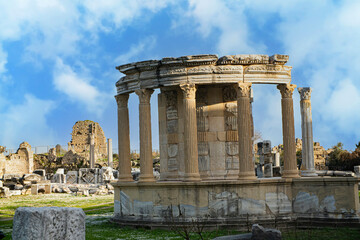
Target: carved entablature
(286, 90)
(203, 70)
(305, 93)
(122, 100)
(144, 95)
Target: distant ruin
(21, 162)
(81, 139)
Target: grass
(99, 210)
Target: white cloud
(3, 61)
(227, 17)
(25, 121)
(77, 86)
(135, 50)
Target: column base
(290, 174)
(125, 178)
(250, 175)
(146, 178)
(191, 177)
(308, 173)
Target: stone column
(146, 161)
(307, 133)
(287, 109)
(246, 164)
(123, 138)
(190, 133)
(109, 152)
(92, 150)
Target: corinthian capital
(122, 100)
(305, 93)
(286, 90)
(144, 95)
(189, 90)
(243, 89)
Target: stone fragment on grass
(49, 223)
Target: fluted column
(307, 133)
(287, 109)
(146, 162)
(246, 164)
(124, 138)
(190, 133)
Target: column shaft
(307, 134)
(110, 153)
(146, 161)
(124, 138)
(92, 150)
(190, 133)
(246, 164)
(287, 109)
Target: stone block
(357, 170)
(40, 172)
(260, 233)
(72, 177)
(4, 192)
(48, 223)
(106, 175)
(58, 178)
(268, 170)
(15, 192)
(34, 189)
(88, 175)
(60, 171)
(1, 183)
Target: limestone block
(4, 192)
(88, 175)
(172, 150)
(260, 233)
(232, 148)
(204, 163)
(328, 204)
(34, 178)
(278, 203)
(106, 174)
(58, 178)
(268, 171)
(172, 164)
(15, 192)
(34, 189)
(40, 172)
(357, 170)
(49, 223)
(72, 177)
(306, 203)
(60, 171)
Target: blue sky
(58, 58)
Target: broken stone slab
(40, 172)
(10, 176)
(15, 192)
(261, 233)
(60, 171)
(88, 175)
(244, 236)
(34, 178)
(48, 223)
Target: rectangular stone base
(234, 201)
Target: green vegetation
(99, 209)
(340, 159)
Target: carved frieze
(228, 69)
(204, 163)
(200, 70)
(172, 150)
(166, 71)
(202, 119)
(122, 100)
(232, 148)
(203, 149)
(230, 116)
(144, 95)
(171, 105)
(286, 90)
(172, 164)
(229, 94)
(232, 163)
(244, 59)
(268, 69)
(305, 93)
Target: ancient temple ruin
(81, 137)
(206, 146)
(21, 162)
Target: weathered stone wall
(333, 198)
(21, 162)
(80, 141)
